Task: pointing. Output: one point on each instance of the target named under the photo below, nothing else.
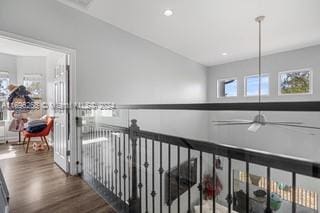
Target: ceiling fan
(260, 119)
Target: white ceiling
(12, 47)
(202, 30)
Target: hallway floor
(37, 184)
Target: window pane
(295, 82)
(4, 83)
(227, 88)
(252, 84)
(33, 85)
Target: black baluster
(92, 155)
(140, 178)
(214, 183)
(124, 170)
(97, 153)
(100, 156)
(116, 162)
(112, 169)
(229, 196)
(91, 152)
(161, 170)
(178, 189)
(109, 157)
(200, 183)
(129, 167)
(146, 164)
(169, 178)
(247, 186)
(119, 157)
(294, 204)
(105, 157)
(189, 182)
(85, 151)
(268, 209)
(95, 159)
(153, 193)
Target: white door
(61, 125)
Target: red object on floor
(42, 135)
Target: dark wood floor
(36, 184)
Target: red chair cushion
(43, 133)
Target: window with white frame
(32, 82)
(295, 82)
(227, 87)
(4, 83)
(252, 85)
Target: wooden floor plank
(36, 184)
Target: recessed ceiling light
(81, 3)
(224, 54)
(168, 13)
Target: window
(252, 85)
(295, 82)
(33, 84)
(4, 83)
(227, 88)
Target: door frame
(74, 151)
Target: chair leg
(27, 149)
(24, 140)
(45, 140)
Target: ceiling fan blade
(297, 130)
(254, 127)
(235, 123)
(293, 125)
(285, 122)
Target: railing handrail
(307, 106)
(276, 161)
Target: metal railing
(143, 171)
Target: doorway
(44, 70)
